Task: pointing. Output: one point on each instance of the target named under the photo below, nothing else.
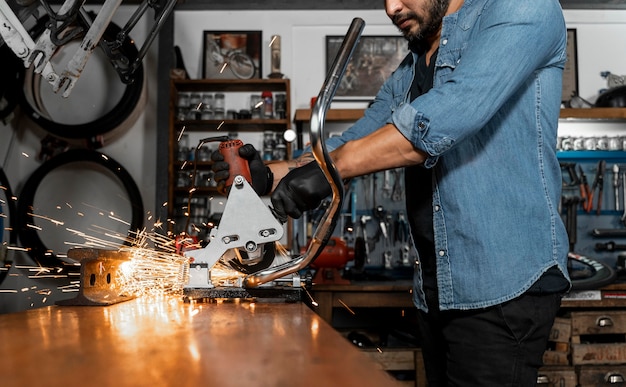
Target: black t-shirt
(418, 185)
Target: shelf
(235, 98)
(230, 125)
(332, 115)
(592, 155)
(345, 115)
(593, 113)
(231, 85)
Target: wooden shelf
(347, 115)
(332, 115)
(594, 113)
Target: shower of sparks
(153, 270)
(272, 41)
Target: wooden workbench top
(167, 342)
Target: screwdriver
(616, 185)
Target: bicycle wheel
(241, 65)
(99, 103)
(76, 198)
(587, 273)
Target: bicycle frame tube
(327, 224)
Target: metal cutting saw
(248, 230)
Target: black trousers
(498, 346)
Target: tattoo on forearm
(304, 159)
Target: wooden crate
(598, 353)
(557, 376)
(559, 343)
(589, 333)
(401, 359)
(595, 376)
(598, 322)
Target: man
(472, 115)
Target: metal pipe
(327, 224)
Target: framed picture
(570, 72)
(373, 60)
(232, 54)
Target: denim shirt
(489, 126)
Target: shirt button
(442, 253)
(445, 41)
(437, 208)
(421, 125)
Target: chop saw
(248, 232)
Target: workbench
(168, 342)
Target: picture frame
(374, 59)
(232, 54)
(570, 72)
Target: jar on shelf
(268, 104)
(269, 143)
(256, 106)
(207, 107)
(219, 106)
(195, 106)
(280, 106)
(280, 151)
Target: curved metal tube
(326, 226)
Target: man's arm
(384, 149)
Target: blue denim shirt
(489, 126)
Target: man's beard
(428, 26)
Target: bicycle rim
(91, 118)
(80, 195)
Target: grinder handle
(237, 164)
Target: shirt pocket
(446, 63)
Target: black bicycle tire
(107, 122)
(603, 274)
(29, 237)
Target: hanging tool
(598, 183)
(623, 218)
(616, 179)
(585, 191)
(402, 237)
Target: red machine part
(335, 255)
(238, 166)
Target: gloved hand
(300, 190)
(262, 177)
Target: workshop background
(601, 38)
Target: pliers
(598, 182)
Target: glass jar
(268, 104)
(219, 106)
(207, 106)
(280, 106)
(256, 106)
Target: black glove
(262, 176)
(302, 189)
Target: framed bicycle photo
(373, 60)
(231, 54)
